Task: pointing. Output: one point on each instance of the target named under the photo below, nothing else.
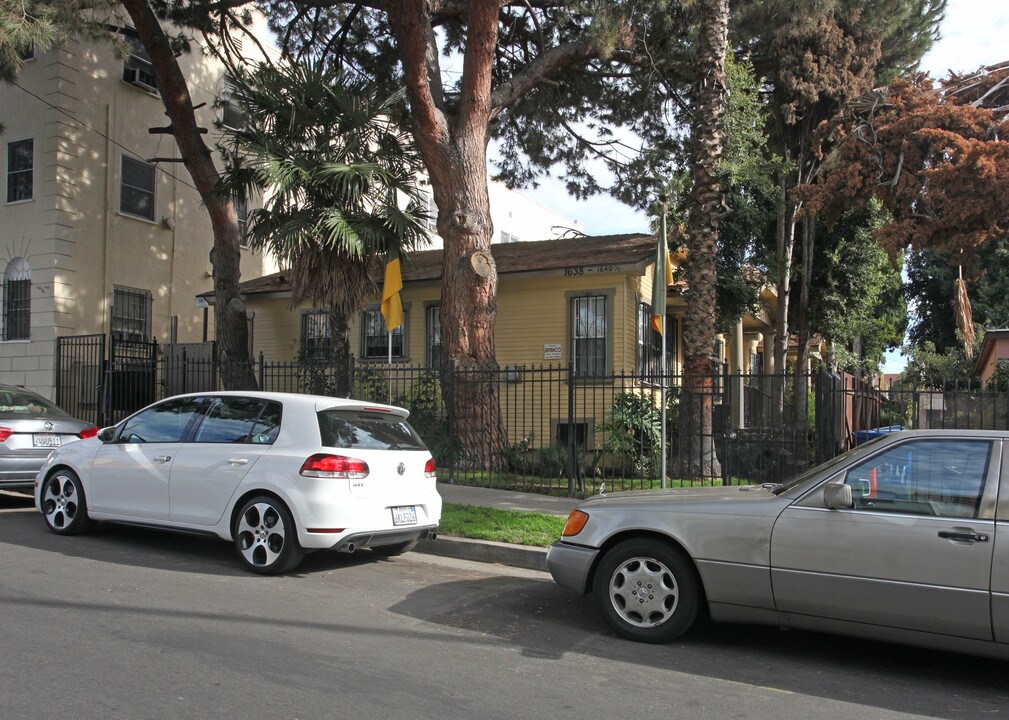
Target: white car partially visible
(275, 473)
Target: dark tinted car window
(19, 403)
(240, 420)
(165, 422)
(367, 430)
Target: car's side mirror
(107, 434)
(837, 496)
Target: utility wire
(103, 135)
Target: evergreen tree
(334, 168)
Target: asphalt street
(130, 623)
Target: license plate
(404, 515)
(45, 440)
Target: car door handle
(162, 458)
(969, 536)
(238, 461)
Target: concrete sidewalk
(531, 558)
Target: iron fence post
(571, 430)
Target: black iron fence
(541, 428)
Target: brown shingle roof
(509, 257)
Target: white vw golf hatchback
(275, 473)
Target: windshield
(799, 479)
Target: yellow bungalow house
(542, 286)
(578, 305)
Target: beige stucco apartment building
(97, 237)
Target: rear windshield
(14, 402)
(367, 430)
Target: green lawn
(509, 526)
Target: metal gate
(80, 366)
(130, 379)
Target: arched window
(17, 300)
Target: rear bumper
(20, 471)
(570, 565)
(378, 538)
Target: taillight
(5, 433)
(429, 468)
(87, 432)
(321, 465)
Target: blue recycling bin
(864, 436)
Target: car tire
(64, 506)
(266, 538)
(396, 549)
(647, 590)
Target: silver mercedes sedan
(31, 427)
(903, 539)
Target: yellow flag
(658, 286)
(392, 307)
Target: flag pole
(664, 364)
(390, 367)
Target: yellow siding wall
(532, 312)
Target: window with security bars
(20, 170)
(432, 334)
(588, 335)
(316, 335)
(17, 298)
(131, 314)
(650, 362)
(375, 340)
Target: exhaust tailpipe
(348, 548)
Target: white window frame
(153, 191)
(140, 60)
(8, 171)
(600, 300)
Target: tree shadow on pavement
(545, 622)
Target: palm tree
(697, 450)
(339, 181)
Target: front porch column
(737, 418)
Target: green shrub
(632, 429)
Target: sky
(973, 33)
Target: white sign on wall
(551, 351)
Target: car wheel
(266, 538)
(393, 550)
(646, 590)
(63, 504)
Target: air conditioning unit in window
(141, 77)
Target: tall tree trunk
(785, 234)
(454, 150)
(697, 447)
(229, 308)
(800, 395)
(339, 346)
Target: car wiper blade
(772, 487)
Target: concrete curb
(522, 556)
